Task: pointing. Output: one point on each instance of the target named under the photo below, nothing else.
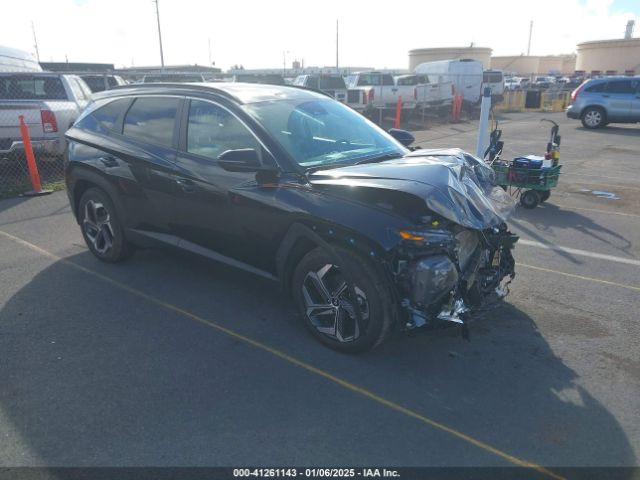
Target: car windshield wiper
(379, 158)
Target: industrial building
(610, 57)
(535, 65)
(422, 55)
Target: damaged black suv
(365, 234)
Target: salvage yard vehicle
(376, 90)
(465, 74)
(600, 101)
(49, 103)
(332, 85)
(99, 82)
(428, 93)
(289, 184)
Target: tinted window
(96, 84)
(108, 115)
(331, 82)
(29, 87)
(212, 130)
(407, 81)
(621, 86)
(387, 80)
(151, 119)
(597, 88)
(112, 82)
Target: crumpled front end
(446, 272)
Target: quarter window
(212, 130)
(108, 114)
(151, 119)
(597, 88)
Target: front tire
(594, 117)
(326, 305)
(101, 227)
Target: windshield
(323, 132)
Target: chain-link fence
(35, 108)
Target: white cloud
(255, 33)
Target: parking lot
(170, 360)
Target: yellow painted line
(581, 277)
(294, 361)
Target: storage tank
(423, 55)
(614, 56)
(518, 64)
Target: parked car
(543, 82)
(291, 185)
(494, 79)
(465, 75)
(598, 102)
(173, 78)
(49, 103)
(332, 85)
(375, 90)
(428, 93)
(99, 82)
(515, 83)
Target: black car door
(209, 197)
(148, 138)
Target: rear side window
(151, 119)
(597, 88)
(212, 130)
(112, 82)
(30, 87)
(108, 115)
(621, 86)
(312, 82)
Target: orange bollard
(398, 113)
(31, 161)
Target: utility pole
(530, 32)
(209, 40)
(35, 41)
(159, 34)
(337, 43)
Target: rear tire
(101, 227)
(530, 199)
(594, 117)
(327, 307)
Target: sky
(261, 34)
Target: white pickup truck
(49, 103)
(376, 90)
(430, 92)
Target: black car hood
(452, 183)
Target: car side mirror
(404, 137)
(240, 160)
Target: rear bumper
(43, 146)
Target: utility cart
(529, 178)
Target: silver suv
(600, 101)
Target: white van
(465, 74)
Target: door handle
(109, 161)
(187, 186)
